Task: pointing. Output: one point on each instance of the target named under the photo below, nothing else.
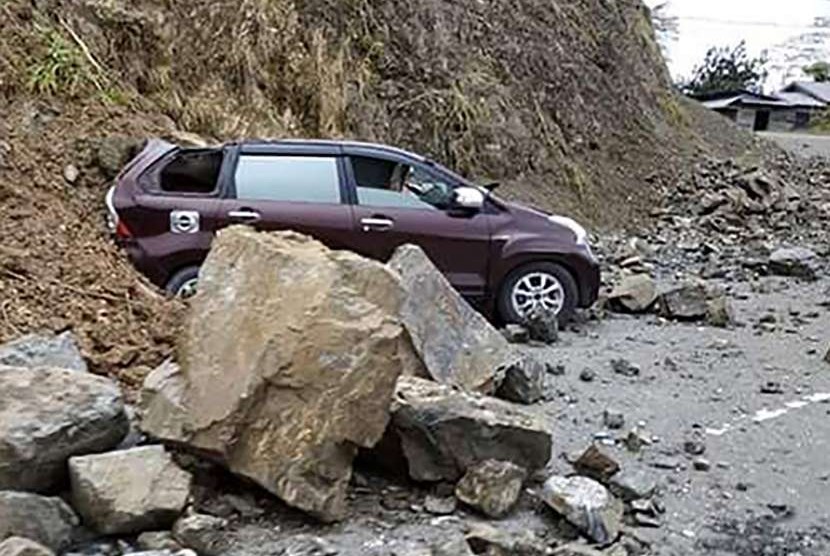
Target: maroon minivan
(506, 259)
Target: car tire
(552, 271)
(183, 283)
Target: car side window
(191, 172)
(304, 179)
(383, 183)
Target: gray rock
(486, 539)
(719, 312)
(542, 326)
(524, 381)
(157, 540)
(443, 432)
(440, 505)
(798, 262)
(48, 521)
(587, 505)
(43, 350)
(633, 484)
(203, 533)
(613, 419)
(516, 334)
(71, 173)
(634, 294)
(129, 491)
(685, 302)
(48, 415)
(701, 464)
(20, 546)
(456, 343)
(625, 368)
(492, 487)
(587, 375)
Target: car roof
(328, 145)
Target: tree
(665, 26)
(727, 69)
(819, 71)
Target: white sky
(763, 24)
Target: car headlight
(580, 232)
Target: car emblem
(184, 221)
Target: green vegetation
(62, 67)
(819, 71)
(727, 69)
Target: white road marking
(766, 414)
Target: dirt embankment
(568, 104)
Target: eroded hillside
(567, 103)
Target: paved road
(801, 143)
(768, 491)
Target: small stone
(157, 540)
(71, 173)
(492, 487)
(586, 504)
(625, 368)
(701, 464)
(487, 540)
(440, 505)
(21, 546)
(203, 533)
(719, 312)
(587, 375)
(635, 441)
(694, 447)
(666, 463)
(516, 334)
(772, 387)
(543, 326)
(643, 520)
(597, 464)
(613, 419)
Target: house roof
(820, 91)
(745, 98)
(801, 100)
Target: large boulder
(48, 415)
(129, 491)
(586, 504)
(288, 364)
(443, 432)
(797, 261)
(456, 343)
(49, 521)
(685, 302)
(43, 350)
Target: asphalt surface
(769, 482)
(801, 143)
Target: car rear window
(192, 171)
(308, 179)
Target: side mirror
(468, 198)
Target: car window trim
(241, 151)
(153, 187)
(357, 152)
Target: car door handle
(245, 215)
(376, 224)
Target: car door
(290, 189)
(458, 242)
